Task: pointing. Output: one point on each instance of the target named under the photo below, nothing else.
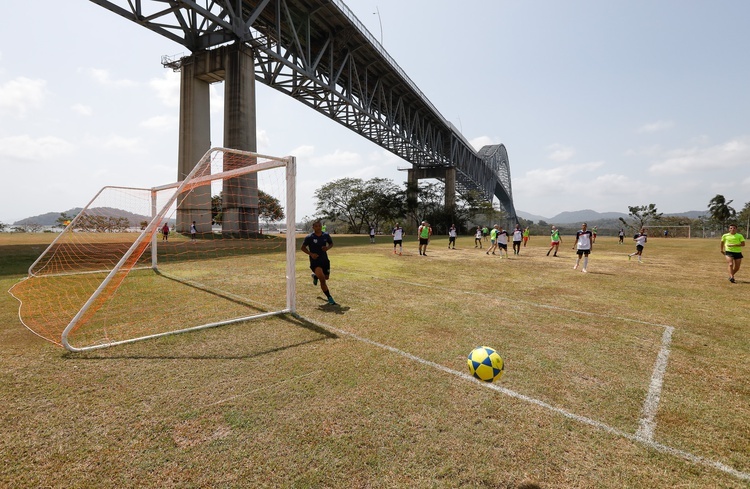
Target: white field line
(647, 423)
(581, 419)
(651, 405)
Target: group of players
(317, 244)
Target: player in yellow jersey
(731, 247)
(424, 232)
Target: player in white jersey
(452, 236)
(398, 239)
(583, 246)
(640, 242)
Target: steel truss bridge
(319, 53)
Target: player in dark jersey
(316, 246)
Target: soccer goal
(672, 231)
(143, 263)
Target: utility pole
(380, 21)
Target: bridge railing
(379, 47)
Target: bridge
(319, 53)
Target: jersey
(732, 242)
(555, 235)
(424, 232)
(640, 239)
(478, 234)
(398, 233)
(493, 234)
(517, 235)
(452, 232)
(502, 237)
(584, 240)
(315, 245)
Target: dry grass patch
(280, 402)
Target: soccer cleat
(575, 267)
(315, 279)
(584, 270)
(331, 301)
(629, 257)
(731, 279)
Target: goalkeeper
(316, 245)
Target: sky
(600, 104)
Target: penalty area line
(581, 419)
(647, 423)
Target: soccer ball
(485, 364)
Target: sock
(327, 293)
(585, 261)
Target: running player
(316, 246)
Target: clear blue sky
(601, 104)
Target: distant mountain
(50, 218)
(583, 216)
(688, 214)
(530, 217)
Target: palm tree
(720, 210)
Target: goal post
(682, 231)
(141, 263)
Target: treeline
(353, 205)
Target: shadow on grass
(112, 354)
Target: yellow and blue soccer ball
(485, 364)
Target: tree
(63, 220)
(269, 207)
(216, 208)
(744, 217)
(360, 203)
(720, 210)
(641, 215)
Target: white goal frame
(289, 162)
(662, 228)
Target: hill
(50, 218)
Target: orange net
(117, 274)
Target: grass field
(631, 375)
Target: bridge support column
(194, 141)
(448, 175)
(240, 205)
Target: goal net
(142, 263)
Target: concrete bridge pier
(447, 174)
(235, 66)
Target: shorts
(451, 239)
(639, 248)
(583, 252)
(325, 264)
(503, 246)
(554, 243)
(492, 241)
(398, 242)
(734, 255)
(423, 241)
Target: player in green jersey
(731, 247)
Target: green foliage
(102, 224)
(269, 207)
(640, 216)
(720, 210)
(360, 203)
(64, 219)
